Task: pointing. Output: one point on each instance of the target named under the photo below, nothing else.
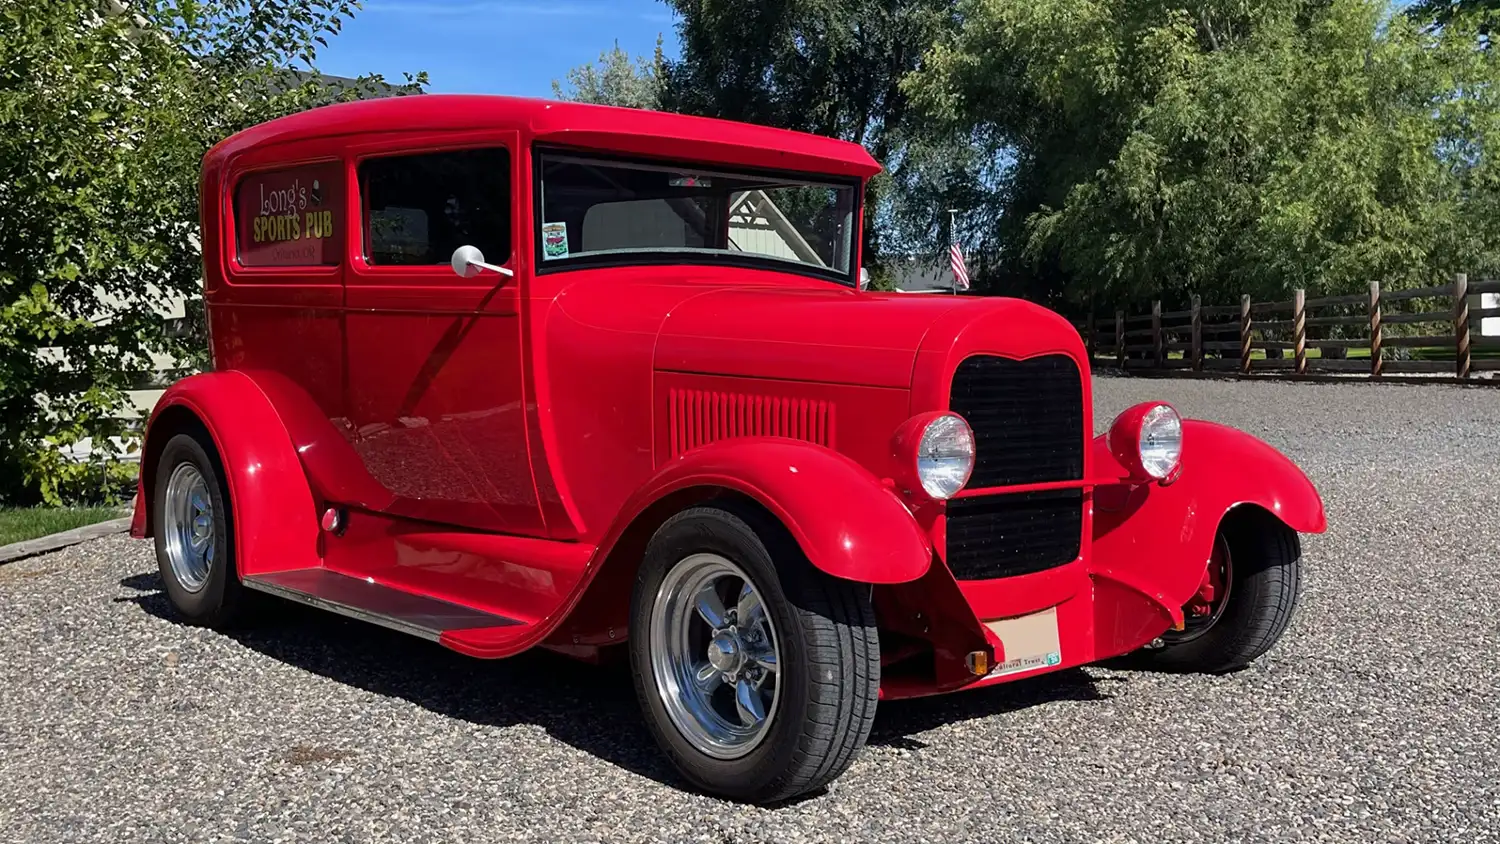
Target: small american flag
(960, 272)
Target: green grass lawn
(19, 525)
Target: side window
(419, 208)
(291, 217)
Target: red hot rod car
(509, 373)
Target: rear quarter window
(291, 217)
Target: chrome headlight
(945, 455)
(1161, 441)
(1147, 440)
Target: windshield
(595, 211)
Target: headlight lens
(945, 456)
(1161, 441)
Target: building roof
(625, 130)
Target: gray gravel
(1375, 720)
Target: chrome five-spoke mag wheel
(758, 673)
(188, 518)
(193, 527)
(718, 656)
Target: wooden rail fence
(1376, 333)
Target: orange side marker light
(978, 663)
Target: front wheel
(758, 674)
(1253, 582)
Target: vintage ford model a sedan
(508, 374)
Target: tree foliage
(1223, 146)
(615, 80)
(1442, 11)
(106, 110)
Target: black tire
(1265, 582)
(830, 657)
(220, 602)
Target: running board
(366, 600)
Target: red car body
(510, 443)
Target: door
(434, 387)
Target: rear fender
(275, 516)
(847, 522)
(1156, 540)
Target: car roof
(595, 127)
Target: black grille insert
(994, 536)
(1027, 417)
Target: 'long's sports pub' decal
(293, 217)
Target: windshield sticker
(554, 241)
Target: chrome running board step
(366, 600)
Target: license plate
(1030, 642)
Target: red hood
(842, 336)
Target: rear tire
(193, 528)
(822, 636)
(1265, 583)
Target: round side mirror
(468, 261)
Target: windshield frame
(700, 257)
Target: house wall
(618, 224)
(761, 240)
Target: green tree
(1162, 148)
(106, 110)
(1442, 11)
(615, 80)
(834, 68)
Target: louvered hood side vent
(699, 417)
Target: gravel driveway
(1377, 719)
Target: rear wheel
(758, 674)
(1252, 586)
(192, 527)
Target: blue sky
(497, 46)
(493, 46)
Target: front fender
(846, 521)
(275, 517)
(1157, 540)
